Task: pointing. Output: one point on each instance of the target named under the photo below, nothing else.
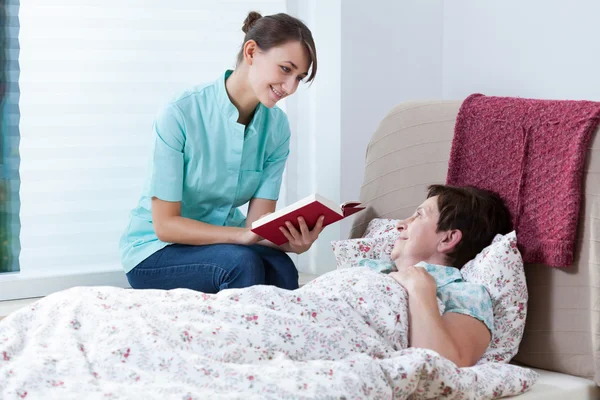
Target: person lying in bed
(450, 228)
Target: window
(9, 137)
(91, 76)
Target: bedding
(342, 335)
(376, 244)
(499, 268)
(352, 252)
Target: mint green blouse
(203, 158)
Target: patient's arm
(460, 338)
(470, 335)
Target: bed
(410, 150)
(556, 386)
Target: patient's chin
(396, 250)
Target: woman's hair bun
(250, 20)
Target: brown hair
(479, 214)
(276, 30)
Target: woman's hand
(416, 280)
(299, 242)
(247, 237)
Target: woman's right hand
(247, 237)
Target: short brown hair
(276, 30)
(479, 215)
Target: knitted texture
(532, 153)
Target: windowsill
(18, 285)
(9, 306)
(303, 278)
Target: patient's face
(418, 239)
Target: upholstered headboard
(410, 150)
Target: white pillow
(376, 244)
(379, 227)
(498, 268)
(349, 253)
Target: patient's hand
(416, 280)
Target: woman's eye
(285, 69)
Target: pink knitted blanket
(532, 153)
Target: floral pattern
(499, 268)
(377, 244)
(349, 253)
(343, 335)
(378, 227)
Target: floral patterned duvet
(343, 335)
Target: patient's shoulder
(468, 298)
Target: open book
(310, 208)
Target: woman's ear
(250, 49)
(449, 241)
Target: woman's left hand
(299, 242)
(416, 280)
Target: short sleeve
(167, 166)
(469, 299)
(273, 167)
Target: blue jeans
(212, 268)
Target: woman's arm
(460, 338)
(258, 208)
(171, 227)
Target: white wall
(314, 114)
(391, 52)
(533, 48)
(374, 55)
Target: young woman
(217, 147)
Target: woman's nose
(290, 85)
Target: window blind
(92, 76)
(9, 136)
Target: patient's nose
(400, 225)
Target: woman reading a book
(217, 147)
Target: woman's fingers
(304, 231)
(304, 236)
(319, 226)
(293, 231)
(286, 233)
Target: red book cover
(310, 208)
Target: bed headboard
(410, 150)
